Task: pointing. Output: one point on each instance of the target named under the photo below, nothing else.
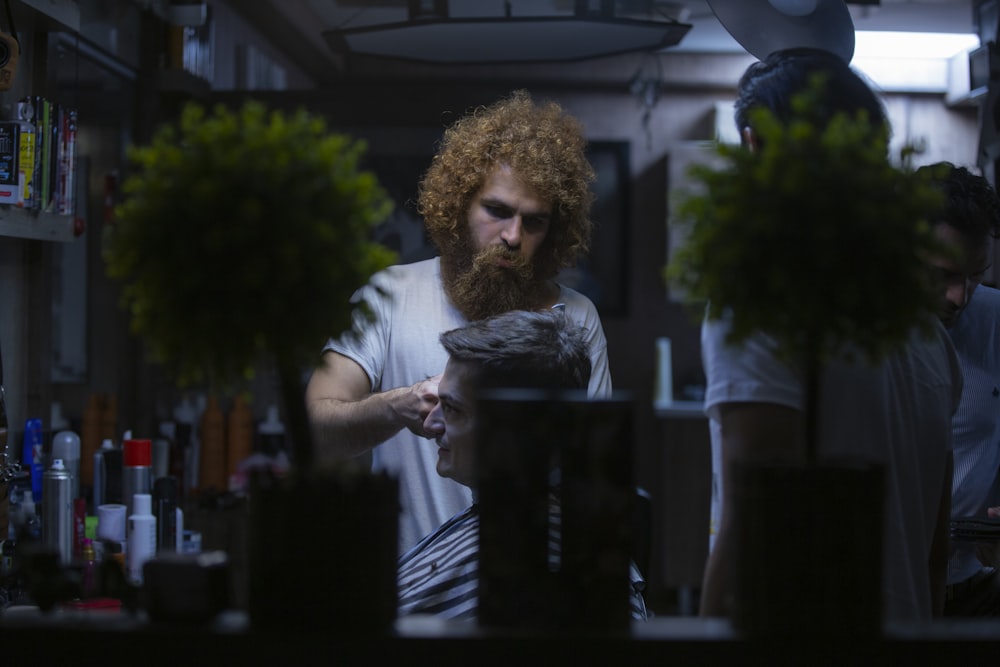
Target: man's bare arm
(751, 432)
(348, 420)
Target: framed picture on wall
(601, 275)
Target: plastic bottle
(88, 583)
(32, 522)
(272, 433)
(66, 446)
(32, 456)
(99, 491)
(239, 436)
(90, 438)
(664, 373)
(172, 432)
(109, 417)
(161, 457)
(111, 522)
(141, 536)
(212, 466)
(169, 517)
(113, 468)
(57, 422)
(186, 418)
(114, 552)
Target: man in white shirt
(896, 413)
(969, 221)
(507, 203)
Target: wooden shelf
(183, 83)
(35, 225)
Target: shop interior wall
(402, 111)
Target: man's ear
(749, 138)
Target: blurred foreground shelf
(124, 639)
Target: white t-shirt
(976, 426)
(400, 347)
(897, 414)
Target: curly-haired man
(506, 201)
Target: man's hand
(423, 396)
(348, 419)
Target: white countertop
(679, 409)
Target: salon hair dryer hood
(765, 26)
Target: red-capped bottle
(137, 470)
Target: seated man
(544, 349)
(970, 220)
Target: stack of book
(38, 157)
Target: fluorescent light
(911, 61)
(876, 44)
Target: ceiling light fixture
(431, 36)
(765, 26)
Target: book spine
(60, 182)
(26, 163)
(69, 185)
(48, 159)
(9, 179)
(41, 145)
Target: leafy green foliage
(815, 238)
(243, 234)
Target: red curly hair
(542, 145)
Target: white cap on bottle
(142, 504)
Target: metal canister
(137, 471)
(57, 510)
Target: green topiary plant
(241, 237)
(815, 238)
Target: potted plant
(820, 241)
(240, 239)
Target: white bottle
(31, 522)
(664, 394)
(56, 420)
(180, 530)
(28, 505)
(141, 537)
(186, 413)
(272, 433)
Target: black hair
(971, 205)
(773, 82)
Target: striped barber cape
(440, 574)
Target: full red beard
(479, 287)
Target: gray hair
(524, 349)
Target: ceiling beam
(291, 37)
